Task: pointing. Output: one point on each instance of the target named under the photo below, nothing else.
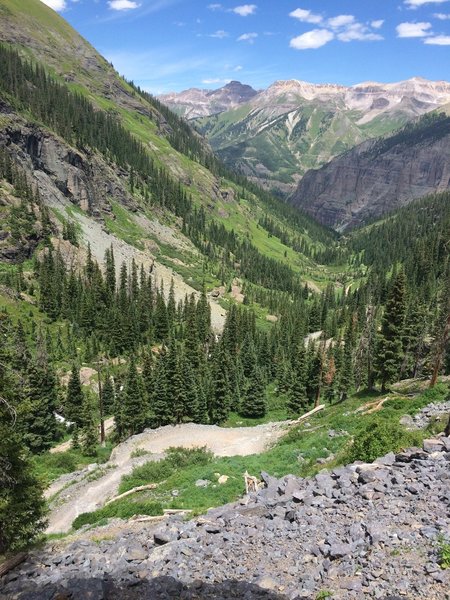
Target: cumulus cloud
(312, 39)
(58, 5)
(441, 16)
(306, 16)
(413, 30)
(341, 21)
(438, 40)
(245, 10)
(417, 3)
(359, 33)
(123, 4)
(248, 37)
(344, 28)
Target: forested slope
(106, 197)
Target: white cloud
(245, 10)
(56, 4)
(417, 3)
(441, 16)
(377, 24)
(247, 37)
(413, 30)
(312, 39)
(220, 34)
(438, 40)
(214, 6)
(123, 4)
(306, 16)
(215, 80)
(359, 33)
(341, 21)
(238, 68)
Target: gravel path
(78, 492)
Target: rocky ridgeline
(363, 530)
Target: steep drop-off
(379, 176)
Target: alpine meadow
(224, 311)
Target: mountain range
(275, 135)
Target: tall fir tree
(390, 340)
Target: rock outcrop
(379, 176)
(360, 531)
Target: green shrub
(121, 509)
(157, 471)
(378, 438)
(444, 553)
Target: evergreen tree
(390, 341)
(39, 422)
(254, 403)
(162, 405)
(22, 505)
(297, 399)
(73, 406)
(134, 408)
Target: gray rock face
(82, 178)
(377, 177)
(358, 531)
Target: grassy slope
(242, 136)
(64, 52)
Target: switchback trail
(89, 489)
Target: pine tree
(22, 505)
(39, 422)
(162, 402)
(73, 406)
(134, 409)
(390, 341)
(108, 395)
(219, 400)
(254, 404)
(297, 399)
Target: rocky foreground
(363, 530)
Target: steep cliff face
(379, 176)
(84, 178)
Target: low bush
(123, 509)
(380, 437)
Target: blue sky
(171, 45)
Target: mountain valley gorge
(225, 325)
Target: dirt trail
(76, 494)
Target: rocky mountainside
(379, 176)
(294, 126)
(195, 102)
(371, 530)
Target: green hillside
(277, 145)
(143, 281)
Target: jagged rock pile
(363, 530)
(432, 411)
